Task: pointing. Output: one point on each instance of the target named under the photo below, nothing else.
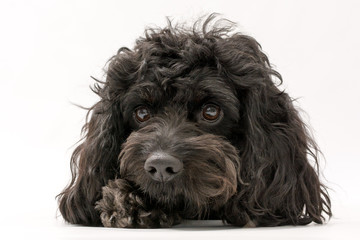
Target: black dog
(190, 125)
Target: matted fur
(257, 164)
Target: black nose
(162, 167)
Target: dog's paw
(157, 218)
(114, 207)
(122, 207)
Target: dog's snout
(162, 166)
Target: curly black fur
(257, 163)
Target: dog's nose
(162, 167)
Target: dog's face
(193, 120)
(179, 149)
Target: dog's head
(194, 120)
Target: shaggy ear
(93, 163)
(279, 157)
(95, 160)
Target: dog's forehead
(190, 88)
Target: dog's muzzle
(172, 160)
(162, 167)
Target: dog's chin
(192, 198)
(168, 192)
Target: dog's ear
(95, 160)
(279, 157)
(93, 163)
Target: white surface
(49, 49)
(43, 226)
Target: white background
(49, 49)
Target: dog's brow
(146, 92)
(217, 89)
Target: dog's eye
(142, 114)
(211, 112)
